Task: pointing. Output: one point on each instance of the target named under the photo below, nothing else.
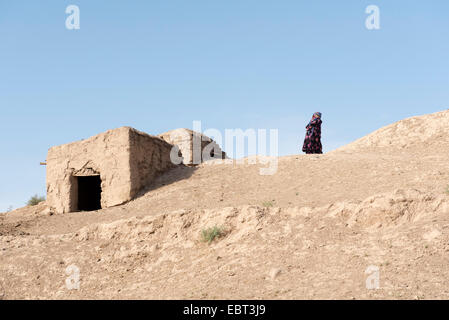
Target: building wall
(126, 159)
(183, 139)
(107, 154)
(150, 156)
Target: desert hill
(428, 131)
(309, 231)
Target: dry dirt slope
(309, 231)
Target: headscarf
(316, 116)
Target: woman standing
(312, 142)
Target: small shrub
(268, 204)
(447, 190)
(210, 234)
(34, 200)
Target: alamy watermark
(72, 22)
(2, 292)
(372, 282)
(372, 22)
(72, 282)
(260, 146)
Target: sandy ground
(308, 232)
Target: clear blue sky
(157, 65)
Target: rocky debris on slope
(383, 210)
(178, 226)
(304, 252)
(390, 208)
(400, 206)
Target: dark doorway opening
(89, 193)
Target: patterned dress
(312, 142)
